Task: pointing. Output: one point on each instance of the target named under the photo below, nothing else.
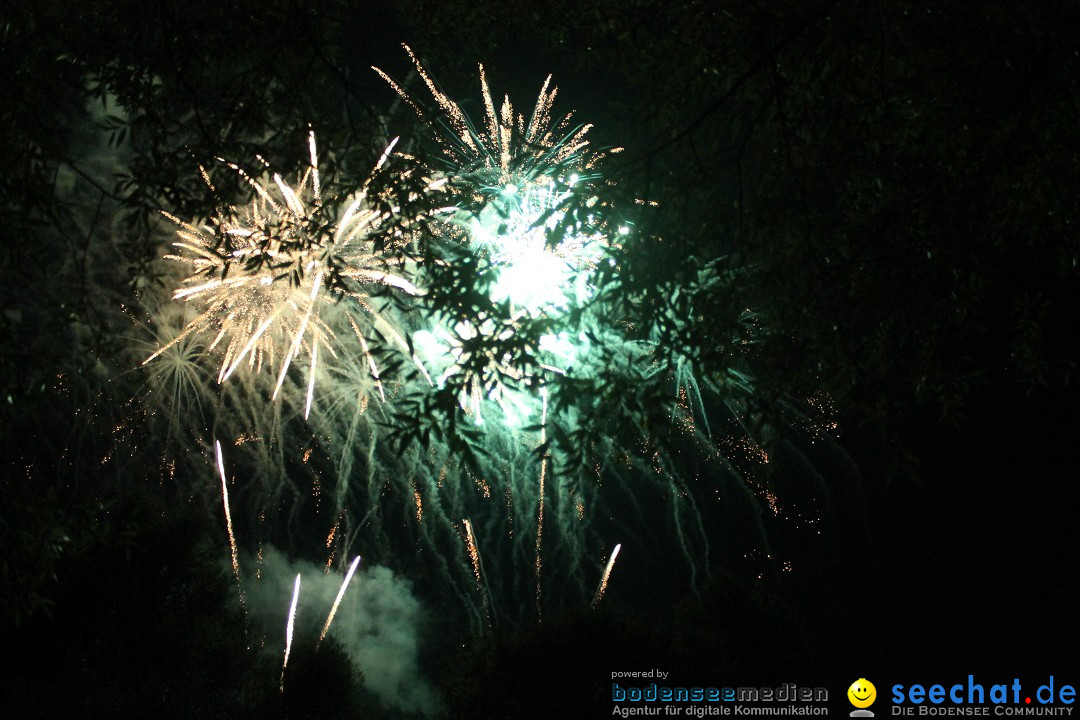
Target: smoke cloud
(378, 622)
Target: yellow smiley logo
(862, 693)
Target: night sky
(859, 227)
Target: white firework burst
(264, 276)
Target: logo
(975, 698)
(862, 694)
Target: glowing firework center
(514, 226)
(543, 261)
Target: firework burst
(175, 386)
(508, 147)
(518, 254)
(523, 233)
(264, 277)
(524, 190)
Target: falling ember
(228, 518)
(474, 555)
(478, 569)
(337, 600)
(540, 508)
(773, 501)
(289, 629)
(607, 574)
(329, 542)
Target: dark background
(897, 183)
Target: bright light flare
(228, 517)
(337, 600)
(289, 629)
(534, 275)
(606, 576)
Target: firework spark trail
(540, 507)
(478, 571)
(474, 554)
(311, 381)
(289, 629)
(337, 600)
(507, 144)
(228, 518)
(607, 574)
(329, 542)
